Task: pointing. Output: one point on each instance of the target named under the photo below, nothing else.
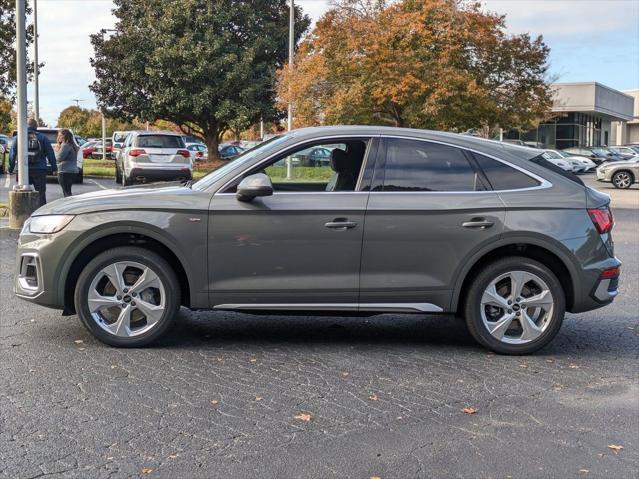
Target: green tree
(7, 46)
(441, 64)
(200, 64)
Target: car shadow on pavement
(226, 328)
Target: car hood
(137, 197)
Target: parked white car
(624, 150)
(557, 160)
(52, 135)
(584, 160)
(153, 156)
(199, 152)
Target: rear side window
(504, 177)
(160, 141)
(413, 165)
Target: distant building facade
(583, 114)
(628, 132)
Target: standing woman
(66, 157)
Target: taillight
(198, 154)
(609, 273)
(137, 152)
(602, 219)
(184, 153)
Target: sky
(590, 40)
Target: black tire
(139, 255)
(472, 309)
(616, 179)
(79, 178)
(125, 180)
(118, 175)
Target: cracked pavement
(385, 394)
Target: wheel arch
(112, 237)
(555, 256)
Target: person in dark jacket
(38, 162)
(67, 158)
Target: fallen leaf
(303, 417)
(373, 397)
(375, 477)
(344, 374)
(550, 360)
(584, 471)
(573, 366)
(523, 365)
(146, 470)
(78, 341)
(258, 398)
(215, 401)
(173, 456)
(253, 360)
(615, 448)
(82, 349)
(470, 410)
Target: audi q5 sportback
(399, 221)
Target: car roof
(161, 132)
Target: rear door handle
(478, 223)
(340, 224)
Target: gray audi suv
(398, 221)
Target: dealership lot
(231, 394)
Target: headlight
(46, 224)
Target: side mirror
(253, 186)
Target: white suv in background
(148, 156)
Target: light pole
(23, 200)
(36, 102)
(291, 53)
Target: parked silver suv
(399, 221)
(153, 155)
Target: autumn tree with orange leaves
(438, 64)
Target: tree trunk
(212, 143)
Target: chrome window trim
(311, 140)
(380, 307)
(544, 184)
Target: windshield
(553, 155)
(564, 154)
(601, 151)
(246, 156)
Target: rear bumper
(160, 174)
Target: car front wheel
(127, 297)
(515, 306)
(623, 179)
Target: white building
(628, 132)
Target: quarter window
(413, 165)
(502, 176)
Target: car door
(429, 208)
(297, 249)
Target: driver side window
(322, 167)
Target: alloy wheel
(622, 180)
(126, 299)
(516, 307)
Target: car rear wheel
(515, 306)
(623, 179)
(118, 175)
(127, 297)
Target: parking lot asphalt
(233, 395)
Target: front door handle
(478, 223)
(340, 224)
